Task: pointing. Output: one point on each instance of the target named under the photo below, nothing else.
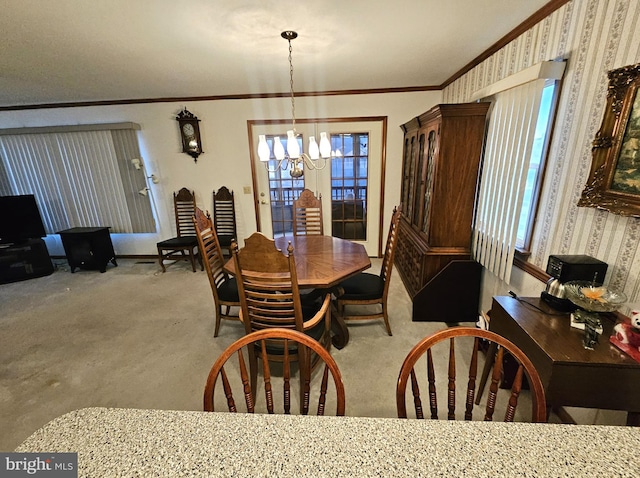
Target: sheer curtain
(79, 178)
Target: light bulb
(278, 148)
(293, 148)
(314, 151)
(263, 149)
(325, 146)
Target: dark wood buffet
(604, 377)
(441, 162)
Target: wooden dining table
(322, 262)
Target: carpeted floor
(135, 337)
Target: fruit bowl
(594, 298)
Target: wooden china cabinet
(441, 163)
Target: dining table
(322, 263)
(116, 442)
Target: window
(349, 184)
(520, 120)
(283, 189)
(539, 150)
(81, 176)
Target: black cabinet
(24, 260)
(88, 247)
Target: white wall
(225, 161)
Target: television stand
(24, 260)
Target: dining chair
(224, 218)
(223, 286)
(366, 289)
(307, 214)
(270, 297)
(415, 371)
(184, 246)
(260, 341)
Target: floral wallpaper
(593, 36)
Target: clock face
(188, 130)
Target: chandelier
(293, 158)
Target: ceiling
(79, 51)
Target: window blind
(79, 178)
(512, 123)
(510, 136)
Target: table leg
(339, 328)
(488, 363)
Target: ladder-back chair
(224, 218)
(270, 296)
(185, 245)
(260, 340)
(307, 214)
(365, 289)
(426, 374)
(223, 286)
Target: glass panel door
(349, 184)
(283, 190)
(428, 181)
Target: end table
(88, 247)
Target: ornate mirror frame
(614, 179)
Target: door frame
(253, 152)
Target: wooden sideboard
(441, 161)
(604, 377)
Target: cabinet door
(409, 173)
(429, 168)
(416, 219)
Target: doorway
(351, 183)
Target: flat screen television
(20, 219)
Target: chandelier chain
(293, 102)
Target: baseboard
(123, 256)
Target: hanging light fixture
(293, 158)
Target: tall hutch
(441, 163)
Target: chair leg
(199, 257)
(385, 316)
(192, 258)
(217, 328)
(253, 370)
(161, 260)
(490, 359)
(304, 371)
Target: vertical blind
(512, 123)
(79, 178)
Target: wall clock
(190, 134)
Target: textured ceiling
(79, 50)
